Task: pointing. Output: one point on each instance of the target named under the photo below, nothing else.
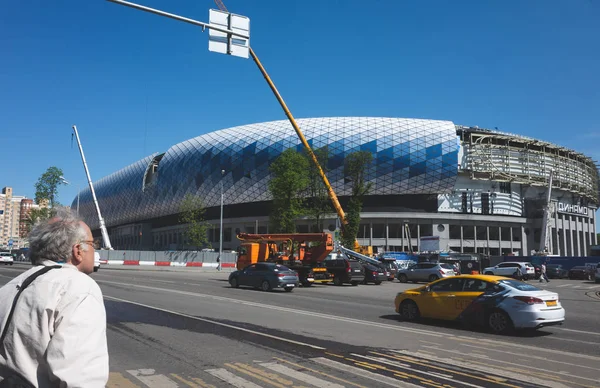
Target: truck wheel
(337, 281)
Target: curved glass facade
(410, 156)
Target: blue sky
(136, 83)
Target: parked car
(597, 274)
(345, 271)
(580, 272)
(6, 258)
(374, 274)
(265, 276)
(508, 268)
(499, 303)
(390, 266)
(556, 271)
(425, 272)
(96, 261)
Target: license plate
(310, 279)
(290, 285)
(357, 270)
(380, 274)
(550, 303)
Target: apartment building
(14, 210)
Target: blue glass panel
(433, 151)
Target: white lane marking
(563, 285)
(152, 380)
(294, 374)
(574, 340)
(217, 323)
(592, 287)
(398, 364)
(507, 373)
(230, 378)
(365, 374)
(577, 286)
(286, 309)
(516, 345)
(547, 360)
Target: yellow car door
(442, 298)
(472, 289)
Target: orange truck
(301, 252)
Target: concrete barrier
(167, 259)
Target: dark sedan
(265, 276)
(374, 274)
(580, 272)
(556, 271)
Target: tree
(46, 188)
(355, 166)
(289, 178)
(318, 203)
(36, 215)
(191, 212)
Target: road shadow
(523, 333)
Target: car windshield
(446, 266)
(280, 268)
(521, 286)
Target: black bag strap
(21, 288)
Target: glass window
(452, 284)
(364, 231)
(378, 230)
(518, 285)
(426, 229)
(395, 231)
(475, 285)
(454, 232)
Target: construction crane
(332, 196)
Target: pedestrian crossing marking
(148, 377)
(117, 380)
(321, 373)
(304, 377)
(195, 383)
(256, 376)
(275, 377)
(230, 378)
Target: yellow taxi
(500, 303)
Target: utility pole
(87, 173)
(221, 225)
(544, 245)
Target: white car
(508, 268)
(96, 261)
(6, 258)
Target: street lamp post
(78, 189)
(221, 224)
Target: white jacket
(57, 337)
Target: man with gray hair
(52, 316)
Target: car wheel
(499, 322)
(234, 283)
(337, 281)
(288, 289)
(489, 273)
(377, 283)
(402, 278)
(307, 284)
(95, 269)
(433, 278)
(354, 283)
(265, 286)
(409, 311)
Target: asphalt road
(182, 328)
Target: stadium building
(470, 189)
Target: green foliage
(191, 212)
(46, 188)
(318, 203)
(355, 168)
(289, 178)
(37, 215)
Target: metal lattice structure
(493, 155)
(410, 156)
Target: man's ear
(77, 254)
